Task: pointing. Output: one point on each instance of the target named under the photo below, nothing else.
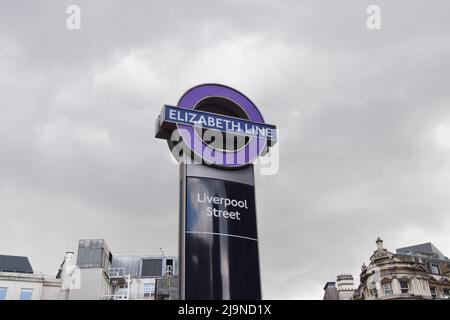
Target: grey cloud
(362, 154)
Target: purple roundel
(223, 158)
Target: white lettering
(374, 20)
(173, 114)
(73, 22)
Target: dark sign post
(218, 255)
(220, 239)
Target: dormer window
(435, 269)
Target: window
(152, 267)
(122, 292)
(404, 286)
(445, 290)
(3, 293)
(169, 267)
(149, 289)
(435, 269)
(387, 289)
(26, 294)
(433, 292)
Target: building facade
(415, 272)
(105, 276)
(18, 281)
(95, 274)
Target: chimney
(68, 259)
(331, 292)
(67, 268)
(345, 282)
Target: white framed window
(404, 286)
(3, 293)
(26, 294)
(149, 289)
(387, 289)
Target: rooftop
(15, 264)
(424, 248)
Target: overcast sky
(364, 120)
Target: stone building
(415, 272)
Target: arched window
(387, 288)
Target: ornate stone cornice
(381, 254)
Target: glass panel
(221, 234)
(446, 293)
(3, 293)
(435, 269)
(122, 293)
(26, 294)
(387, 288)
(433, 292)
(149, 289)
(151, 268)
(404, 285)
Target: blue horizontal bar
(227, 124)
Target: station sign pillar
(218, 238)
